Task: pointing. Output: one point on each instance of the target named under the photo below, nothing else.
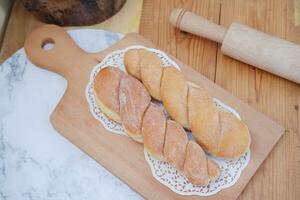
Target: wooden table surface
(279, 176)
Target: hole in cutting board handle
(48, 44)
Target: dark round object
(73, 12)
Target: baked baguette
(218, 132)
(145, 123)
(134, 100)
(109, 96)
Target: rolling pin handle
(192, 23)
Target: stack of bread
(126, 98)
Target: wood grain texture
(245, 44)
(192, 50)
(279, 177)
(73, 119)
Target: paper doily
(163, 171)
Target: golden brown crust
(219, 132)
(174, 91)
(151, 72)
(145, 122)
(195, 165)
(213, 170)
(108, 112)
(136, 137)
(132, 63)
(106, 88)
(175, 144)
(190, 105)
(153, 131)
(235, 136)
(204, 119)
(134, 100)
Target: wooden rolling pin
(246, 44)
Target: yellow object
(297, 12)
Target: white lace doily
(162, 171)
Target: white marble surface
(36, 162)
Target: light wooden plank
(278, 178)
(192, 50)
(297, 12)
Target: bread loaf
(176, 142)
(134, 100)
(154, 131)
(109, 95)
(144, 122)
(218, 132)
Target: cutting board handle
(63, 58)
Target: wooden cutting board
(119, 154)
